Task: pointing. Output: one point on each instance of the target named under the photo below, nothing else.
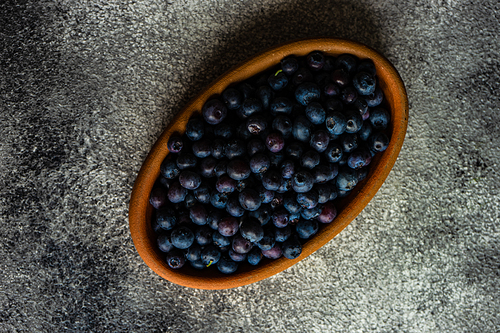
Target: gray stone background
(86, 87)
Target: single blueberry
(282, 234)
(267, 242)
(202, 148)
(218, 199)
(166, 218)
(227, 265)
(176, 193)
(275, 142)
(334, 152)
(241, 245)
(379, 118)
(158, 197)
(364, 83)
(274, 252)
(349, 142)
(224, 130)
(340, 77)
(214, 216)
(324, 172)
(375, 99)
(307, 92)
(182, 237)
(324, 192)
(234, 148)
(210, 255)
(289, 65)
(238, 257)
(186, 161)
(271, 180)
(320, 140)
(232, 98)
(280, 217)
(207, 167)
(189, 200)
(233, 207)
(249, 107)
(238, 169)
(328, 213)
(295, 150)
(336, 123)
(225, 184)
(203, 235)
(263, 214)
(189, 179)
(265, 94)
(315, 113)
(198, 214)
(283, 125)
(254, 256)
(302, 75)
(291, 205)
(220, 240)
(349, 95)
(347, 179)
(331, 90)
(287, 169)
(175, 144)
(195, 129)
(175, 259)
(214, 111)
(255, 146)
(164, 242)
(306, 228)
(291, 248)
(281, 105)
(302, 181)
(256, 124)
(347, 62)
(359, 159)
(354, 121)
(302, 128)
(259, 163)
(378, 142)
(365, 131)
(308, 200)
(249, 199)
(278, 80)
(310, 159)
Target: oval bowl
(348, 208)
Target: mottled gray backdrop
(86, 87)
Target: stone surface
(86, 87)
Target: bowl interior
(348, 208)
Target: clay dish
(348, 208)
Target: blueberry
(166, 218)
(265, 94)
(256, 124)
(210, 255)
(336, 123)
(202, 148)
(249, 199)
(334, 152)
(234, 148)
(186, 161)
(283, 125)
(276, 158)
(280, 218)
(175, 144)
(365, 131)
(347, 179)
(282, 234)
(225, 184)
(302, 181)
(189, 179)
(220, 240)
(324, 192)
(278, 80)
(182, 237)
(349, 142)
(218, 199)
(255, 146)
(378, 142)
(176, 193)
(331, 90)
(364, 83)
(275, 142)
(285, 186)
(302, 129)
(203, 235)
(349, 95)
(328, 213)
(241, 245)
(214, 111)
(232, 98)
(267, 241)
(197, 264)
(291, 205)
(347, 62)
(233, 207)
(238, 169)
(359, 159)
(289, 65)
(310, 159)
(315, 60)
(360, 106)
(375, 99)
(332, 105)
(315, 113)
(320, 140)
(238, 257)
(164, 242)
(324, 173)
(281, 105)
(295, 150)
(259, 163)
(287, 169)
(224, 130)
(252, 231)
(198, 214)
(307, 92)
(213, 218)
(302, 75)
(169, 168)
(274, 252)
(291, 248)
(221, 167)
(306, 228)
(227, 265)
(207, 167)
(271, 180)
(175, 259)
(249, 107)
(254, 256)
(308, 199)
(362, 173)
(158, 197)
(329, 64)
(354, 121)
(340, 77)
(217, 148)
(193, 253)
(189, 200)
(277, 201)
(195, 129)
(379, 118)
(265, 195)
(263, 214)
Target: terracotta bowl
(140, 210)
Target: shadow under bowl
(140, 211)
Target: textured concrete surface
(86, 87)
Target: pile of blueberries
(259, 170)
